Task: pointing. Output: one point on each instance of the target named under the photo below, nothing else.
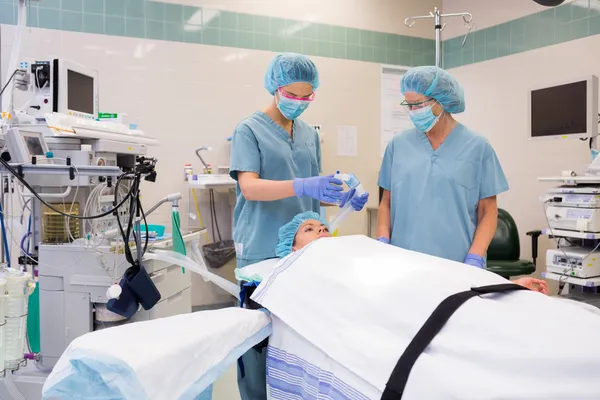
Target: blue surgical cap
(288, 68)
(436, 83)
(287, 232)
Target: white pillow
(257, 272)
(170, 358)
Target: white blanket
(359, 303)
(173, 358)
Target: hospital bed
(342, 313)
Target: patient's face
(309, 231)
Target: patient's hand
(537, 285)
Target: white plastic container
(18, 288)
(2, 323)
(188, 171)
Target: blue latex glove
(323, 188)
(475, 260)
(383, 240)
(357, 202)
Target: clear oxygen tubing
(11, 388)
(353, 183)
(186, 262)
(197, 256)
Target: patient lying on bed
(307, 227)
(344, 310)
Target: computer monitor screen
(560, 110)
(34, 146)
(80, 91)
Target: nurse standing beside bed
(440, 179)
(276, 161)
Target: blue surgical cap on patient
(288, 68)
(287, 232)
(436, 83)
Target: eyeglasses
(291, 96)
(416, 106)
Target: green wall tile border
(552, 26)
(179, 23)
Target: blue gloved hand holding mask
(357, 202)
(323, 188)
(475, 260)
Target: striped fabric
(291, 378)
(288, 261)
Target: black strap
(245, 300)
(434, 324)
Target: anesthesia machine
(572, 210)
(77, 177)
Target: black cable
(132, 205)
(212, 218)
(214, 213)
(138, 210)
(37, 196)
(8, 82)
(145, 224)
(133, 212)
(123, 236)
(216, 219)
(134, 189)
(126, 248)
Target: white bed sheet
(367, 300)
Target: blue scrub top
(435, 194)
(262, 146)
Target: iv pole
(437, 20)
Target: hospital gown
(435, 194)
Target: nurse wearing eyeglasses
(276, 161)
(440, 179)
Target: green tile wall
(552, 26)
(179, 23)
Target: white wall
(376, 15)
(497, 93)
(189, 95)
(488, 13)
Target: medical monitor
(564, 110)
(75, 90)
(24, 144)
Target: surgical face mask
(424, 118)
(291, 108)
